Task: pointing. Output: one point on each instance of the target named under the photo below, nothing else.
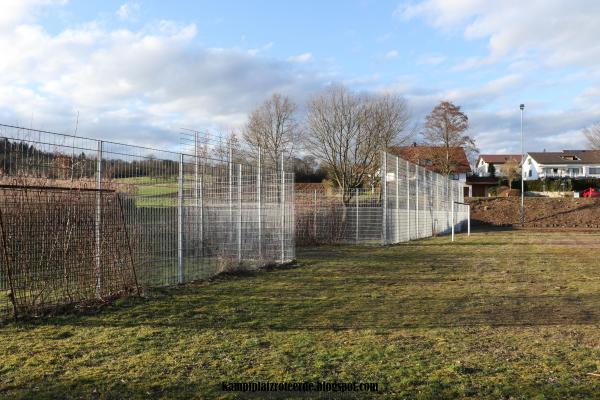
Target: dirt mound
(540, 212)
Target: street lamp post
(522, 106)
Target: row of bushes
(558, 184)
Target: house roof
(567, 157)
(499, 158)
(421, 154)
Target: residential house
(486, 163)
(433, 159)
(563, 164)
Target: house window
(573, 171)
(594, 171)
(530, 173)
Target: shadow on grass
(420, 285)
(200, 307)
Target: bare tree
(387, 117)
(512, 170)
(348, 132)
(446, 127)
(592, 134)
(228, 148)
(273, 128)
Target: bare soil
(556, 213)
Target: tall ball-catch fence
(85, 220)
(410, 202)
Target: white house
(564, 164)
(486, 161)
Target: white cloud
(391, 55)
(532, 39)
(301, 58)
(15, 12)
(129, 11)
(559, 32)
(431, 59)
(135, 85)
(261, 49)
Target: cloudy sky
(137, 71)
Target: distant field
(152, 192)
(500, 315)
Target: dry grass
(501, 315)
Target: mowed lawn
(499, 315)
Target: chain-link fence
(410, 203)
(85, 219)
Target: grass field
(151, 192)
(505, 314)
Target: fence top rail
(93, 139)
(40, 187)
(108, 150)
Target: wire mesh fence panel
(172, 217)
(50, 253)
(410, 203)
(336, 216)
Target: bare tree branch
(592, 134)
(273, 128)
(446, 126)
(348, 131)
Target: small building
(563, 164)
(488, 163)
(481, 185)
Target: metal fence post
(259, 199)
(196, 166)
(282, 210)
(356, 193)
(180, 274)
(437, 194)
(239, 224)
(201, 209)
(408, 199)
(98, 220)
(396, 220)
(469, 220)
(384, 196)
(230, 183)
(198, 201)
(452, 219)
(315, 215)
(417, 201)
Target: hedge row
(558, 184)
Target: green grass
(499, 315)
(151, 192)
(146, 180)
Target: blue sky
(137, 70)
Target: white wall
(533, 166)
(538, 169)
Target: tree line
(342, 134)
